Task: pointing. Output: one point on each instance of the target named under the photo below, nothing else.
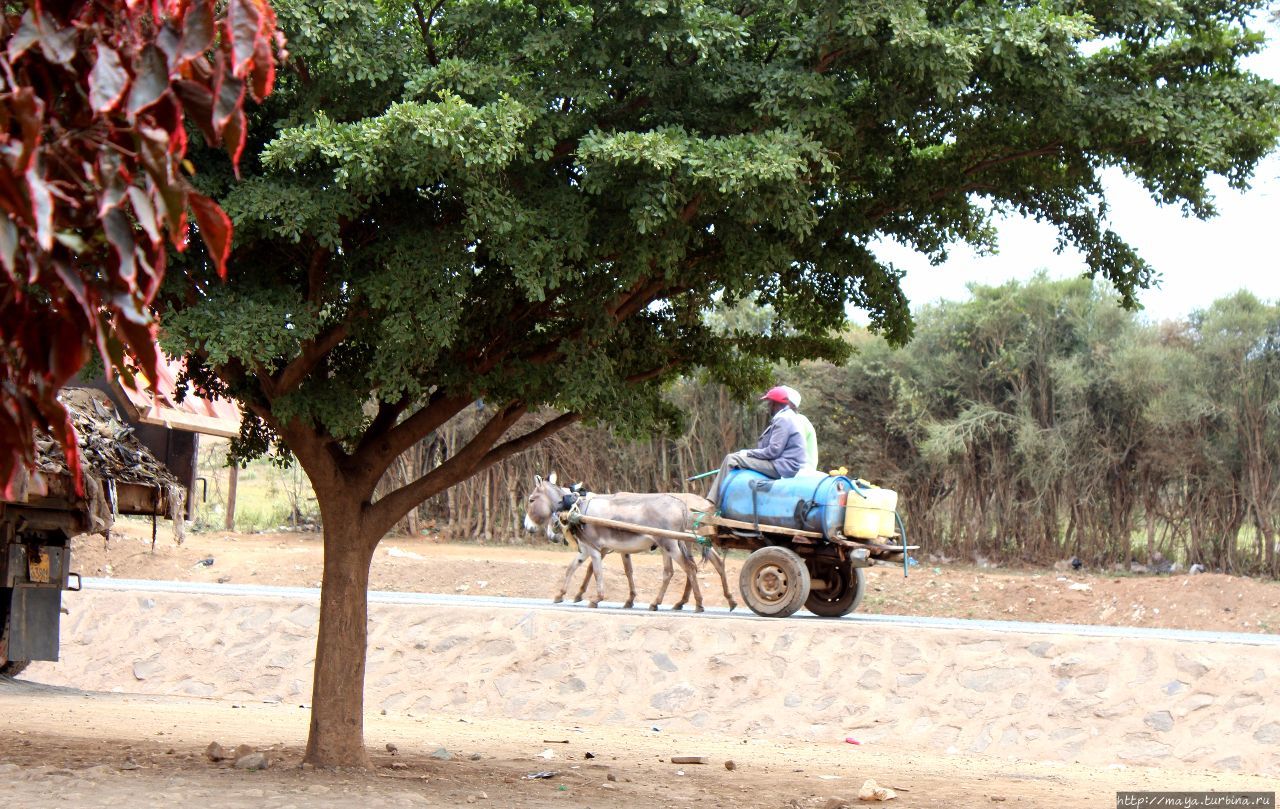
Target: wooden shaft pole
(635, 528)
(231, 498)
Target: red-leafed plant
(93, 102)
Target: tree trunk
(337, 699)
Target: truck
(140, 464)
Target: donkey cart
(810, 538)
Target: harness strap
(571, 517)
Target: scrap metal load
(121, 476)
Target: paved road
(871, 621)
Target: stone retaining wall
(1044, 697)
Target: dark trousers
(739, 460)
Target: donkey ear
(537, 480)
(551, 478)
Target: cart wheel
(774, 582)
(841, 593)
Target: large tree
(528, 205)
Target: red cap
(778, 394)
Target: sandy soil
(111, 750)
(1208, 601)
(61, 746)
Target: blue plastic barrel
(811, 501)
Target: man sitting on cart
(809, 434)
(780, 452)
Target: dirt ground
(61, 746)
(111, 750)
(1180, 601)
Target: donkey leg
(631, 582)
(717, 561)
(691, 580)
(586, 579)
(597, 565)
(684, 597)
(568, 576)
(666, 578)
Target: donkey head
(543, 503)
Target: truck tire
(774, 582)
(13, 668)
(842, 592)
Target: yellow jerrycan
(869, 512)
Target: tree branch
(315, 274)
(387, 511)
(828, 59)
(424, 25)
(652, 373)
(640, 296)
(313, 351)
(379, 452)
(690, 210)
(508, 448)
(1052, 148)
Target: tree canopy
(534, 204)
(465, 197)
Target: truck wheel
(774, 582)
(841, 591)
(13, 668)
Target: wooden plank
(872, 546)
(711, 519)
(190, 422)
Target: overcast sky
(1197, 261)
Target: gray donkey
(665, 511)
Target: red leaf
(235, 137)
(30, 113)
(264, 70)
(166, 116)
(128, 309)
(107, 80)
(150, 82)
(215, 229)
(67, 352)
(57, 44)
(76, 286)
(59, 422)
(141, 338)
(145, 212)
(197, 30)
(111, 181)
(152, 276)
(120, 234)
(169, 44)
(244, 29)
(8, 244)
(167, 189)
(41, 209)
(27, 35)
(198, 103)
(229, 97)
